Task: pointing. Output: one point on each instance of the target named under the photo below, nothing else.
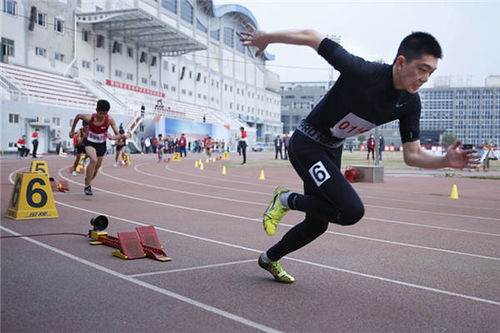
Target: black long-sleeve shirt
(362, 98)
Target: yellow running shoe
(276, 270)
(274, 212)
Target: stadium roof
(237, 12)
(136, 26)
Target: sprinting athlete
(120, 147)
(80, 147)
(95, 139)
(365, 95)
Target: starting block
(131, 245)
(62, 186)
(126, 159)
(80, 168)
(177, 157)
(225, 156)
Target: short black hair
(417, 44)
(121, 131)
(242, 128)
(103, 105)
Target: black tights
(328, 196)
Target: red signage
(134, 88)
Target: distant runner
(95, 139)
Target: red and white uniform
(97, 133)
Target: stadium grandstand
(158, 62)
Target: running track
(417, 262)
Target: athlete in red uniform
(95, 138)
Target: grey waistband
(326, 140)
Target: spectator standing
(34, 142)
(278, 147)
(370, 143)
(182, 145)
(147, 144)
(381, 146)
(242, 144)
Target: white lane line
(338, 269)
(368, 218)
(194, 183)
(435, 213)
(194, 268)
(290, 226)
(432, 226)
(360, 191)
(149, 286)
(366, 205)
(163, 188)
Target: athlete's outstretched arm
(117, 135)
(454, 158)
(80, 116)
(262, 39)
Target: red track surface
(418, 261)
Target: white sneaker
(115, 164)
(73, 173)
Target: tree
(448, 139)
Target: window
(118, 73)
(130, 52)
(59, 25)
(239, 44)
(215, 34)
(40, 52)
(229, 36)
(170, 5)
(59, 56)
(85, 64)
(117, 48)
(130, 76)
(187, 11)
(56, 121)
(144, 80)
(153, 83)
(200, 26)
(10, 7)
(85, 35)
(99, 68)
(13, 118)
(7, 47)
(41, 19)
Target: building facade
(180, 54)
(471, 114)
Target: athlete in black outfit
(366, 95)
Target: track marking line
(263, 204)
(194, 268)
(366, 205)
(398, 282)
(290, 226)
(162, 188)
(338, 269)
(149, 286)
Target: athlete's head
(416, 60)
(103, 105)
(121, 131)
(85, 124)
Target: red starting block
(131, 245)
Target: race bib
(319, 173)
(96, 138)
(351, 125)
